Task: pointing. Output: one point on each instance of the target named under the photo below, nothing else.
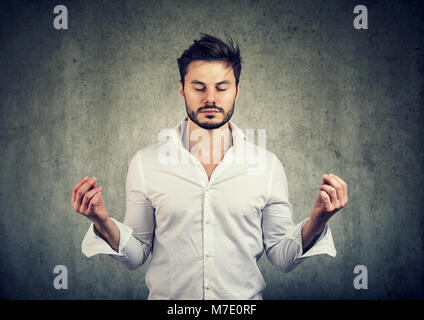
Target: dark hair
(210, 48)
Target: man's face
(209, 93)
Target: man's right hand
(87, 200)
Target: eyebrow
(204, 84)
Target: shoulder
(260, 155)
(150, 154)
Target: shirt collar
(181, 136)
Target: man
(204, 210)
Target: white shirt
(205, 236)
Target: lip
(210, 111)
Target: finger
(344, 187)
(332, 181)
(76, 187)
(327, 201)
(82, 190)
(94, 200)
(87, 198)
(331, 191)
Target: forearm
(310, 233)
(109, 232)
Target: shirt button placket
(208, 242)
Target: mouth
(210, 111)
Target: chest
(231, 195)
(209, 168)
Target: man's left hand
(332, 198)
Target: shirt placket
(208, 248)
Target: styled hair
(210, 48)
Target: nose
(209, 97)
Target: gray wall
(333, 99)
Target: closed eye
(201, 90)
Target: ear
(181, 89)
(238, 91)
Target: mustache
(219, 109)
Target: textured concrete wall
(333, 99)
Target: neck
(209, 145)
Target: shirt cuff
(323, 245)
(93, 244)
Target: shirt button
(207, 221)
(208, 254)
(208, 286)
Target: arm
(139, 216)
(332, 198)
(109, 232)
(284, 241)
(129, 242)
(310, 233)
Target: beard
(205, 124)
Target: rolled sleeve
(93, 244)
(282, 238)
(136, 231)
(323, 245)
